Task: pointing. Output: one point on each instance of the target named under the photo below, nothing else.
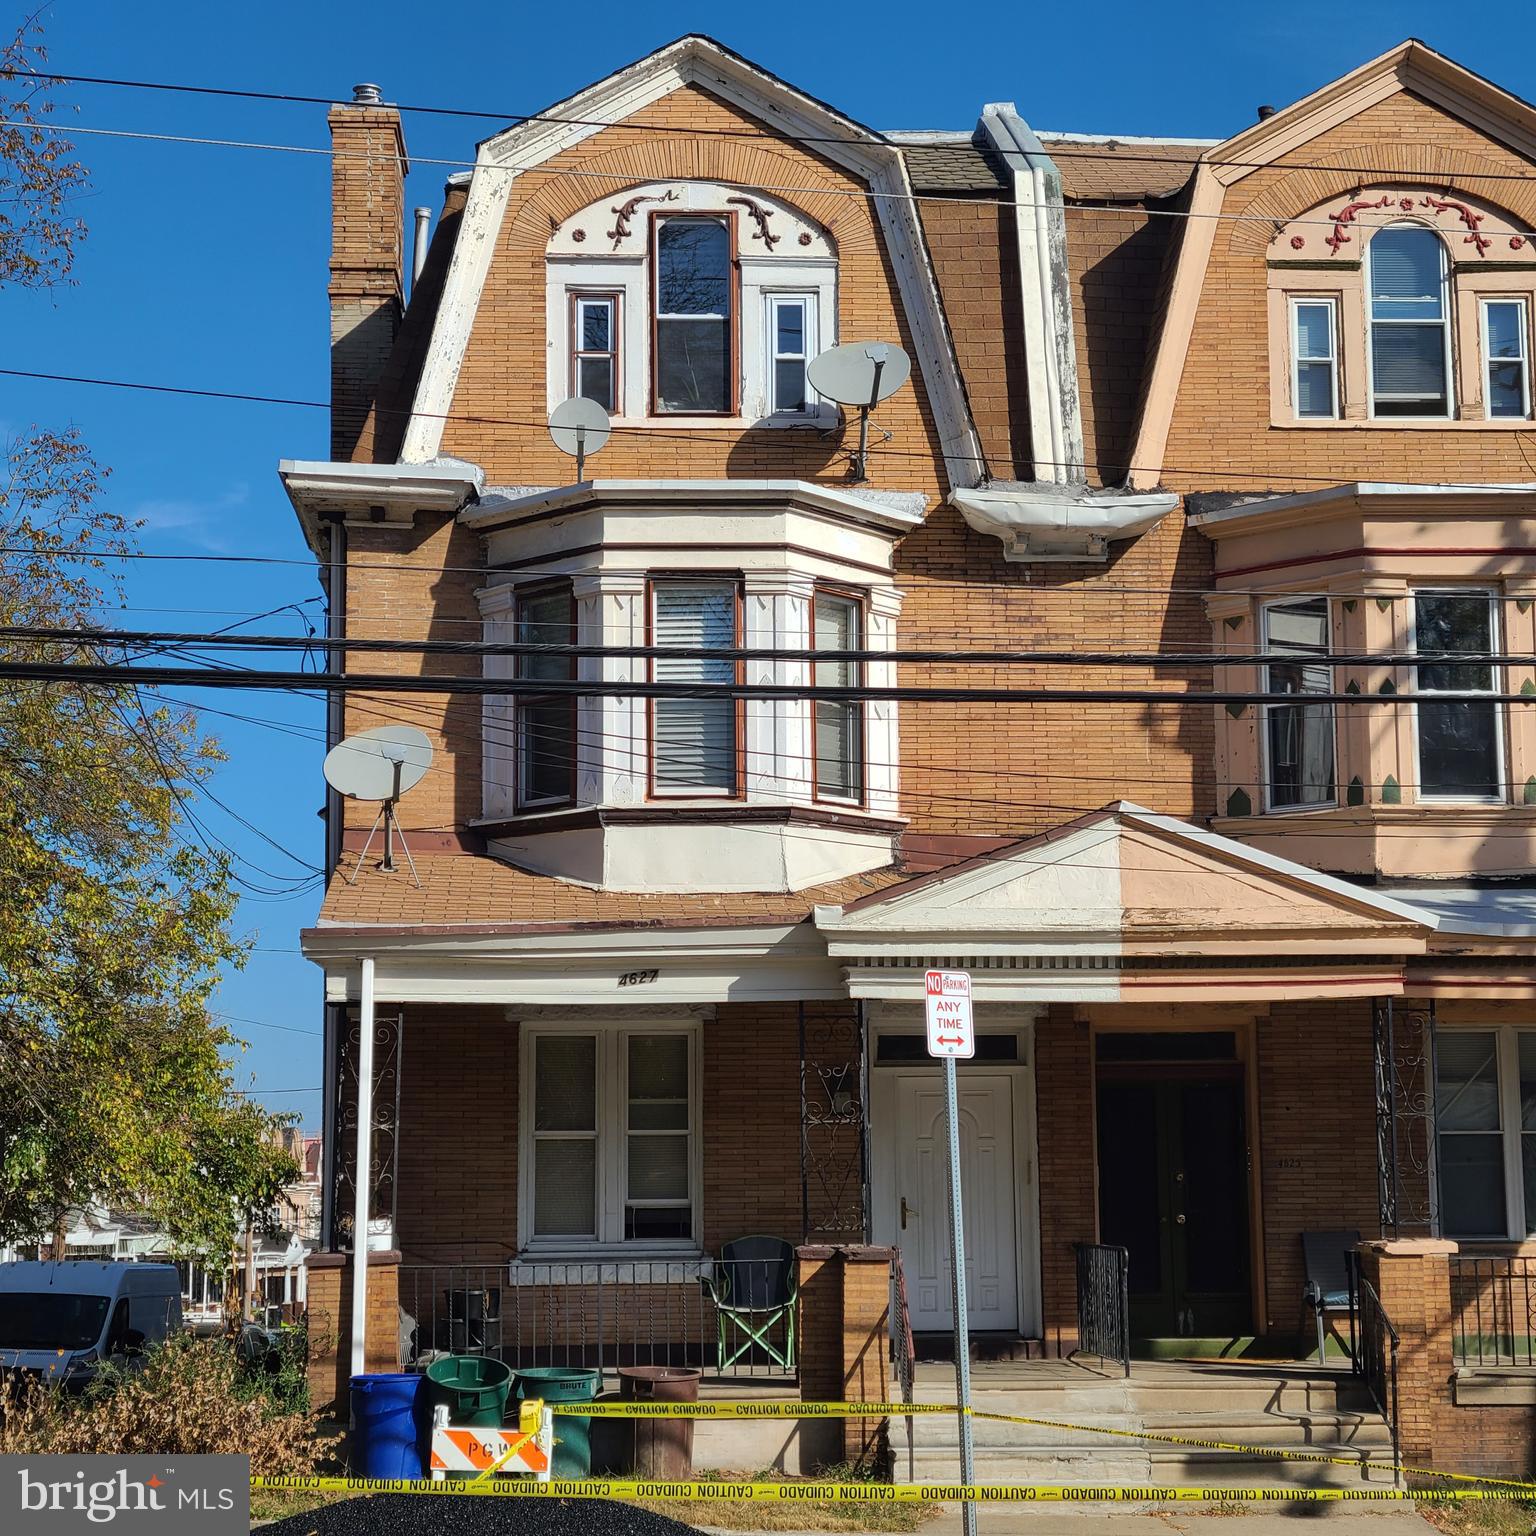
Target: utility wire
(208, 677)
(222, 640)
(707, 434)
(514, 118)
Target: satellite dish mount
(862, 374)
(579, 426)
(381, 764)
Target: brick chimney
(368, 169)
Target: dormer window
(1410, 323)
(694, 279)
(687, 300)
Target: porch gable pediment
(1122, 881)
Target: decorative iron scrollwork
(760, 217)
(384, 1144)
(834, 1126)
(1403, 1051)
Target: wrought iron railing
(602, 1315)
(1104, 1302)
(1375, 1359)
(903, 1348)
(1493, 1310)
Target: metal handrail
(903, 1348)
(1104, 1302)
(1376, 1360)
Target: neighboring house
(660, 983)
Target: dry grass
(1482, 1517)
(187, 1398)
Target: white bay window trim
(611, 1196)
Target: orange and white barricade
(527, 1451)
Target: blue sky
(206, 266)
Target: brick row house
(1243, 971)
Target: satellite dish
(380, 764)
(579, 427)
(860, 373)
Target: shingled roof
(1121, 171)
(953, 165)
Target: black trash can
(660, 1448)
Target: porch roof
(1128, 902)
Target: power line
(719, 436)
(207, 677)
(50, 635)
(1063, 151)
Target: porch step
(1319, 1411)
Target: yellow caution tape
(865, 1493)
(798, 1410)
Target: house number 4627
(637, 978)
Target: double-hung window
(694, 740)
(1507, 357)
(1298, 736)
(1459, 739)
(595, 349)
(791, 339)
(546, 725)
(611, 1124)
(1410, 322)
(1485, 1110)
(839, 723)
(1314, 358)
(694, 282)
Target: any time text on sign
(947, 997)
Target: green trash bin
(474, 1388)
(573, 1432)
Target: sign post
(951, 1036)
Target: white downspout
(362, 1175)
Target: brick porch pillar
(845, 1346)
(328, 1291)
(1412, 1276)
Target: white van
(62, 1320)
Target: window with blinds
(565, 1141)
(1410, 347)
(546, 727)
(694, 740)
(838, 626)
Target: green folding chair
(753, 1289)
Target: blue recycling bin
(386, 1426)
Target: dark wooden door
(1173, 1189)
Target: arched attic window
(1409, 315)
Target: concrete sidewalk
(1286, 1520)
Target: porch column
(361, 1177)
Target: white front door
(987, 1175)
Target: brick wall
(328, 1315)
(1064, 1093)
(1317, 1144)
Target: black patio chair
(1326, 1256)
(753, 1288)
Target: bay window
(1485, 1114)
(546, 727)
(1459, 746)
(694, 740)
(694, 302)
(1409, 308)
(837, 625)
(611, 1121)
(1298, 737)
